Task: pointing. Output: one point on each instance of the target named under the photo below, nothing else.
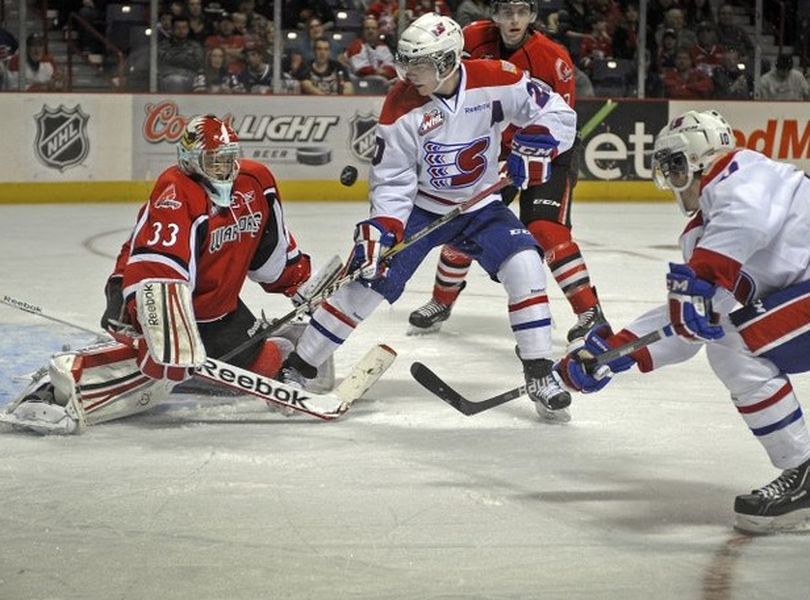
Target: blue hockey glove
(690, 305)
(576, 370)
(371, 240)
(529, 163)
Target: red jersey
(181, 236)
(539, 56)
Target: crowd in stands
(694, 48)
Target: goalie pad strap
(166, 317)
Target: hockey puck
(348, 175)
(313, 156)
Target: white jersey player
(744, 290)
(438, 141)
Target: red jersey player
(544, 208)
(211, 221)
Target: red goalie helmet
(209, 151)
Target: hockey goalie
(212, 221)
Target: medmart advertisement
(110, 147)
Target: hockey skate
(782, 505)
(550, 399)
(586, 321)
(429, 317)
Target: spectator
(610, 10)
(164, 25)
(783, 82)
(733, 36)
(596, 46)
(417, 8)
(684, 81)
(369, 56)
(577, 16)
(385, 11)
(240, 26)
(625, 38)
(314, 31)
(731, 79)
(674, 20)
(471, 10)
(257, 77)
(296, 14)
(324, 76)
(216, 77)
(256, 22)
(707, 54)
(179, 58)
(226, 38)
(665, 57)
(8, 44)
(200, 26)
(40, 72)
(697, 12)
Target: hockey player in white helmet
(438, 141)
(545, 208)
(743, 293)
(212, 221)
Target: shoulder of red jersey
(486, 73)
(355, 47)
(401, 99)
(174, 189)
(481, 37)
(258, 171)
(549, 53)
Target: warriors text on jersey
(437, 152)
(179, 236)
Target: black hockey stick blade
(434, 384)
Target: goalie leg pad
(166, 317)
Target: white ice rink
(404, 498)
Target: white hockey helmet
(687, 145)
(209, 152)
(433, 42)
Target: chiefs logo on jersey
(456, 165)
(564, 70)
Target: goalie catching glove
(171, 347)
(576, 368)
(529, 163)
(690, 305)
(372, 239)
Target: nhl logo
(363, 141)
(61, 140)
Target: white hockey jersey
(750, 238)
(436, 152)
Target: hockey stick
(437, 386)
(434, 384)
(363, 375)
(334, 286)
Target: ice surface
(405, 498)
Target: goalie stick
(334, 286)
(437, 386)
(363, 375)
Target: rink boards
(110, 147)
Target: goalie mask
(689, 144)
(429, 51)
(209, 151)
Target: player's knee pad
(523, 275)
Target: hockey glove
(372, 239)
(690, 305)
(576, 370)
(529, 163)
(114, 317)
